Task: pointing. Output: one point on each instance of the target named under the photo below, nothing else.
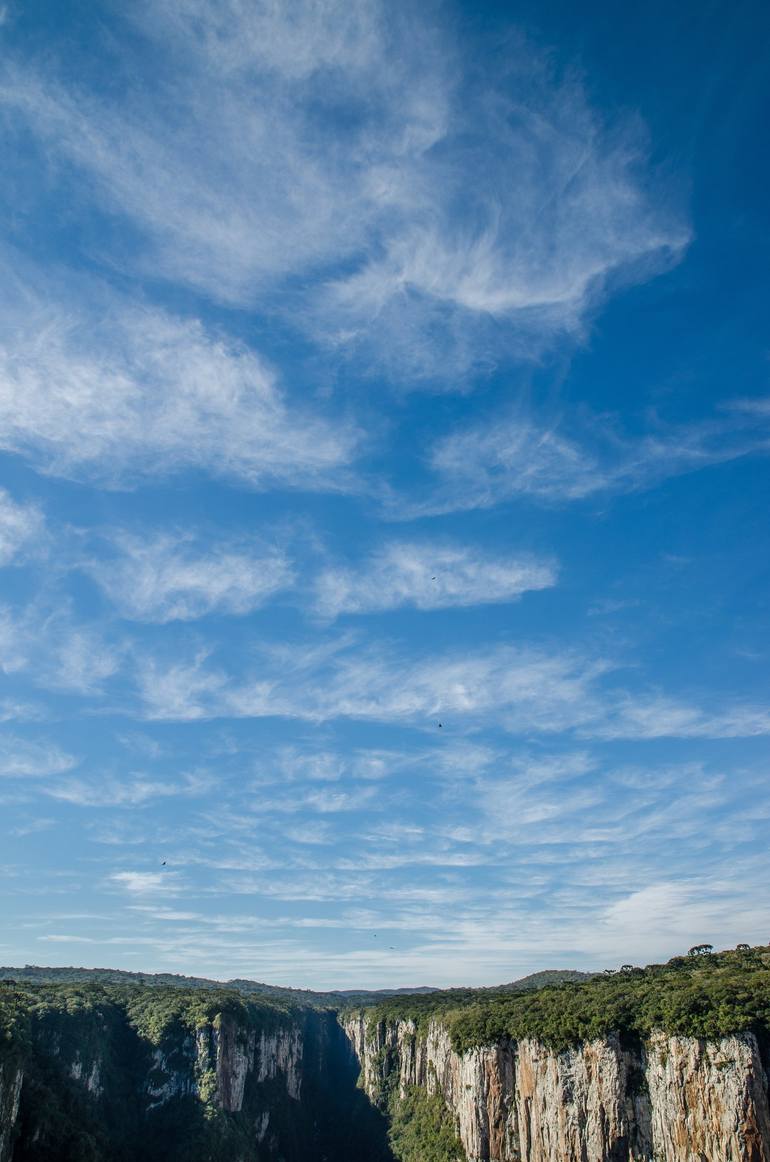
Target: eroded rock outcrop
(675, 1099)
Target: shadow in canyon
(334, 1121)
(346, 1126)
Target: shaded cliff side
(91, 1074)
(11, 1077)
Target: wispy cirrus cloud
(22, 758)
(174, 578)
(22, 528)
(56, 651)
(116, 394)
(518, 457)
(143, 883)
(291, 185)
(656, 716)
(129, 791)
(351, 683)
(583, 843)
(519, 690)
(342, 144)
(429, 575)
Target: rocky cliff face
(676, 1099)
(11, 1078)
(96, 1081)
(227, 1067)
(216, 1063)
(708, 1099)
(254, 1090)
(245, 1085)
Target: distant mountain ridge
(36, 974)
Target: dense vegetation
(112, 1073)
(422, 1130)
(705, 995)
(37, 974)
(152, 1013)
(58, 1028)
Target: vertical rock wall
(677, 1099)
(708, 1099)
(11, 1078)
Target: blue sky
(384, 416)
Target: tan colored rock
(709, 1099)
(677, 1100)
(581, 1104)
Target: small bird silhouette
(163, 864)
(440, 725)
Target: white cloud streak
(289, 185)
(135, 791)
(124, 394)
(172, 578)
(55, 651)
(517, 457)
(22, 528)
(546, 690)
(429, 576)
(522, 691)
(22, 759)
(142, 883)
(349, 138)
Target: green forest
(153, 1013)
(422, 1129)
(704, 994)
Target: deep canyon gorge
(93, 1071)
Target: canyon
(91, 1072)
